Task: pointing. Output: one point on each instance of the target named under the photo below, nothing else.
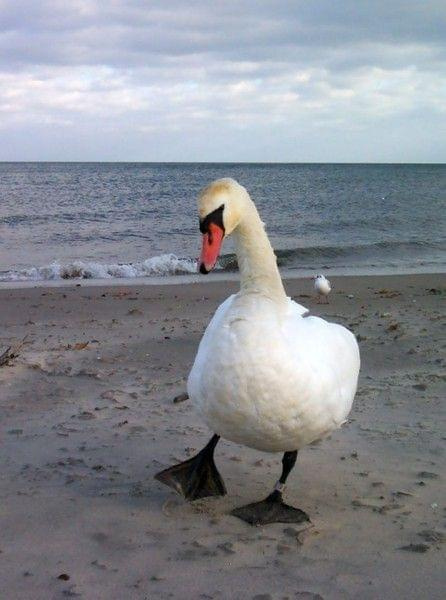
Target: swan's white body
(266, 375)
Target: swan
(267, 374)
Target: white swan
(266, 375)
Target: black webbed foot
(197, 477)
(270, 510)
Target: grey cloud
(133, 33)
(177, 70)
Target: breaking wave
(157, 266)
(414, 253)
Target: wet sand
(88, 418)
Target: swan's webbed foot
(197, 477)
(270, 510)
(273, 509)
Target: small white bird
(322, 287)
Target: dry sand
(84, 429)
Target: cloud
(222, 81)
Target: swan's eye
(215, 217)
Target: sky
(282, 81)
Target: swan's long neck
(256, 259)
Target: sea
(131, 221)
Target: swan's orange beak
(210, 249)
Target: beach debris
(432, 535)
(80, 345)
(375, 503)
(63, 577)
(385, 293)
(11, 352)
(15, 431)
(419, 386)
(181, 398)
(427, 475)
(401, 493)
(415, 548)
(85, 415)
(77, 346)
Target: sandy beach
(88, 418)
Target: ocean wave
(157, 266)
(309, 257)
(360, 252)
(312, 256)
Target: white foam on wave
(157, 266)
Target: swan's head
(221, 206)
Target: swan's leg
(273, 509)
(197, 477)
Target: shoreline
(212, 278)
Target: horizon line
(228, 162)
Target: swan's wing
(217, 319)
(212, 330)
(328, 355)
